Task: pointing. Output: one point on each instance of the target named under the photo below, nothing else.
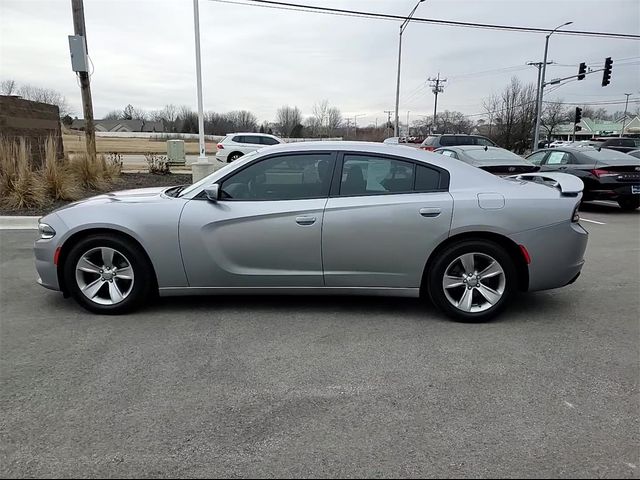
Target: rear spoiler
(569, 185)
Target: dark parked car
(495, 160)
(624, 145)
(607, 174)
(433, 142)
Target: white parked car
(235, 145)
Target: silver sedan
(322, 218)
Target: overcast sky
(259, 59)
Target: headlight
(46, 231)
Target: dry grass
(75, 143)
(60, 184)
(20, 185)
(23, 186)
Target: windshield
(488, 155)
(606, 154)
(207, 180)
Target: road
(326, 387)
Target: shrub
(113, 164)
(59, 181)
(89, 173)
(158, 164)
(20, 185)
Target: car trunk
(622, 170)
(503, 170)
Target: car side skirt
(368, 291)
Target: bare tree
(553, 115)
(334, 120)
(113, 115)
(45, 95)
(244, 120)
(8, 87)
(287, 118)
(320, 111)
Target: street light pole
(624, 119)
(536, 134)
(408, 132)
(202, 157)
(402, 27)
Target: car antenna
(486, 148)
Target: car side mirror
(212, 192)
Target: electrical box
(78, 50)
(175, 152)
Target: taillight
(428, 148)
(220, 146)
(602, 173)
(575, 218)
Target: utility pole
(386, 128)
(536, 133)
(196, 22)
(79, 28)
(402, 27)
(624, 119)
(436, 88)
(538, 65)
(408, 132)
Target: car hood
(138, 195)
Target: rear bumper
(221, 155)
(557, 254)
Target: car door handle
(430, 212)
(305, 220)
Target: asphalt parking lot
(326, 387)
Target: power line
(383, 16)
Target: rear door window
(268, 141)
(536, 158)
(558, 158)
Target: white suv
(234, 145)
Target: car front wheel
(472, 280)
(629, 203)
(108, 274)
(233, 157)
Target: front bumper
(557, 254)
(44, 252)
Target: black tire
(142, 286)
(233, 157)
(629, 203)
(435, 276)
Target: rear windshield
(430, 140)
(481, 154)
(455, 140)
(605, 154)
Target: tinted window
(627, 142)
(484, 141)
(238, 139)
(252, 139)
(614, 142)
(268, 141)
(427, 179)
(448, 141)
(288, 177)
(536, 158)
(558, 158)
(430, 141)
(363, 175)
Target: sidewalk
(14, 222)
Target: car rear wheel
(472, 280)
(629, 203)
(234, 156)
(108, 274)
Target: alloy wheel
(474, 282)
(104, 276)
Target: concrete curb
(11, 222)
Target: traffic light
(582, 69)
(578, 116)
(606, 77)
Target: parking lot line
(591, 221)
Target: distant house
(595, 128)
(121, 126)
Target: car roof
(252, 133)
(472, 147)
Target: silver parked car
(322, 218)
(491, 159)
